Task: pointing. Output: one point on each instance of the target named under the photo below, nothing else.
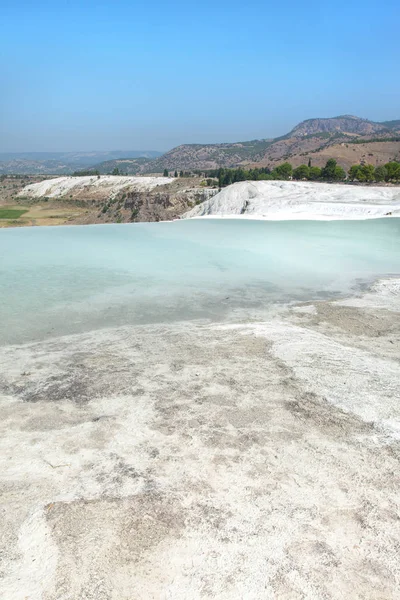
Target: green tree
(393, 171)
(166, 174)
(309, 163)
(368, 172)
(241, 175)
(355, 173)
(315, 173)
(302, 172)
(328, 172)
(339, 174)
(283, 171)
(176, 174)
(115, 171)
(181, 174)
(380, 173)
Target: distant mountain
(393, 125)
(63, 163)
(208, 156)
(128, 166)
(302, 143)
(313, 139)
(346, 138)
(344, 124)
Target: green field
(11, 213)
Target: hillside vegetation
(331, 172)
(347, 139)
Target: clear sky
(121, 74)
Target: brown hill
(210, 156)
(347, 154)
(344, 124)
(318, 139)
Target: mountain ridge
(343, 124)
(313, 139)
(347, 138)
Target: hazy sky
(120, 74)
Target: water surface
(60, 280)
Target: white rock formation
(300, 200)
(111, 184)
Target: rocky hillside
(346, 124)
(315, 139)
(91, 187)
(348, 153)
(129, 166)
(308, 140)
(110, 199)
(202, 156)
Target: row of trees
(330, 172)
(388, 172)
(366, 173)
(285, 171)
(180, 174)
(84, 173)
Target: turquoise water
(59, 280)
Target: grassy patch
(11, 213)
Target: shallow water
(60, 280)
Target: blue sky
(83, 75)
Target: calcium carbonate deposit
(63, 186)
(205, 408)
(300, 200)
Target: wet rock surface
(205, 461)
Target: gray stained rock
(201, 461)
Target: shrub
(380, 173)
(302, 172)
